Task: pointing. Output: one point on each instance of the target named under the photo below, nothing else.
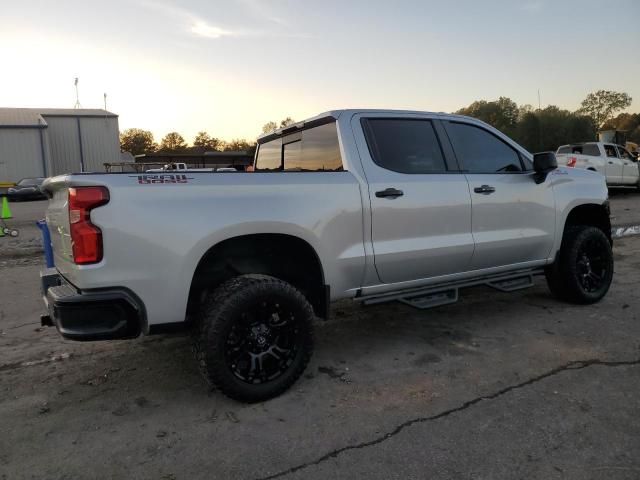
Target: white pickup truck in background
(615, 162)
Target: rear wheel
(254, 337)
(583, 270)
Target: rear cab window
(315, 149)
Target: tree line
(547, 128)
(536, 129)
(139, 141)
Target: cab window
(315, 149)
(269, 157)
(480, 151)
(404, 145)
(624, 154)
(610, 151)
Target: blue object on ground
(46, 241)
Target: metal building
(41, 142)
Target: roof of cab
(333, 115)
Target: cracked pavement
(496, 386)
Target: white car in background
(613, 161)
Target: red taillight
(86, 238)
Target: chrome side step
(446, 294)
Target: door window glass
(591, 149)
(481, 151)
(404, 145)
(610, 150)
(624, 154)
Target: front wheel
(583, 270)
(254, 337)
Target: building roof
(74, 112)
(21, 117)
(35, 117)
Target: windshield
(30, 182)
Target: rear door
(614, 166)
(420, 202)
(513, 218)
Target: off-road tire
(223, 308)
(563, 277)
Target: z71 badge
(161, 178)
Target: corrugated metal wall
(64, 144)
(20, 154)
(71, 144)
(78, 143)
(100, 142)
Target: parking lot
(496, 386)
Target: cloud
(203, 29)
(193, 23)
(199, 26)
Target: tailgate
(58, 222)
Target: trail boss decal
(161, 178)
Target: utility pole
(539, 103)
(539, 122)
(77, 105)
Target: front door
(513, 217)
(614, 166)
(420, 203)
(629, 167)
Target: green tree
(600, 106)
(137, 141)
(269, 127)
(204, 142)
(172, 142)
(528, 132)
(625, 121)
(501, 114)
(237, 145)
(286, 122)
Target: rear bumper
(105, 314)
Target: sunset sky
(228, 67)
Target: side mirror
(543, 163)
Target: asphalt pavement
(497, 386)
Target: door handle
(484, 189)
(389, 193)
(610, 163)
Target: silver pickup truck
(372, 205)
